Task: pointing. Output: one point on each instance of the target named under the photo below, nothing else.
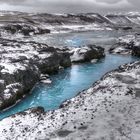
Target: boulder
(127, 28)
(136, 50)
(86, 53)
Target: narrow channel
(69, 82)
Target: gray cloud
(135, 2)
(12, 1)
(69, 5)
(109, 1)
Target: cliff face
(108, 110)
(22, 64)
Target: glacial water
(67, 83)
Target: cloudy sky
(70, 6)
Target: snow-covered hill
(39, 23)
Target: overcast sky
(70, 6)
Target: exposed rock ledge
(129, 44)
(109, 110)
(22, 63)
(86, 53)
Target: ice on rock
(11, 68)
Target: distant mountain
(40, 23)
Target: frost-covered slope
(128, 19)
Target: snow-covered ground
(108, 110)
(76, 28)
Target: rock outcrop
(21, 64)
(129, 44)
(23, 29)
(108, 110)
(86, 53)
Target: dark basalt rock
(43, 31)
(24, 29)
(127, 28)
(136, 51)
(21, 66)
(38, 110)
(86, 19)
(63, 133)
(96, 52)
(17, 84)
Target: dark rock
(43, 31)
(136, 51)
(63, 133)
(38, 110)
(24, 29)
(17, 85)
(65, 60)
(127, 28)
